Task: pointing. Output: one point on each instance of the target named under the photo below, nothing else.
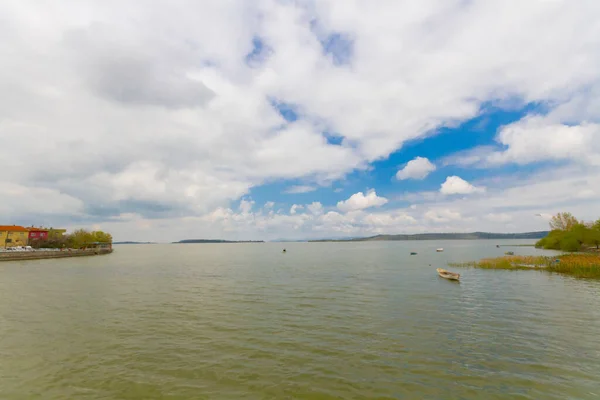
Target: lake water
(323, 321)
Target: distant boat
(448, 275)
(412, 253)
(284, 251)
(510, 253)
(439, 250)
(498, 246)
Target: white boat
(439, 250)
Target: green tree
(591, 235)
(564, 221)
(80, 238)
(570, 243)
(102, 237)
(552, 241)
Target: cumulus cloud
(417, 168)
(315, 208)
(359, 201)
(535, 139)
(294, 208)
(246, 206)
(457, 185)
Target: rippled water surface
(323, 321)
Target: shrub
(570, 243)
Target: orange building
(13, 235)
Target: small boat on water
(412, 253)
(439, 250)
(453, 276)
(284, 251)
(510, 253)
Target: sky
(297, 119)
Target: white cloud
(39, 202)
(246, 206)
(442, 215)
(399, 220)
(359, 201)
(269, 205)
(457, 185)
(501, 217)
(508, 206)
(417, 168)
(125, 119)
(315, 208)
(294, 208)
(537, 138)
(300, 189)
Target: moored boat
(439, 250)
(447, 274)
(413, 253)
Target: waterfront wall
(40, 255)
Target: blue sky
(279, 119)
(381, 174)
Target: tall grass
(580, 265)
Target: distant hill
(446, 236)
(218, 241)
(329, 239)
(134, 243)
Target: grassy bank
(580, 265)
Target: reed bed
(581, 265)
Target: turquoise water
(323, 321)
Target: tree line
(570, 234)
(76, 240)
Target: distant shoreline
(134, 243)
(203, 241)
(443, 236)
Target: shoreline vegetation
(579, 265)
(79, 243)
(579, 239)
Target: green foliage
(569, 234)
(82, 238)
(102, 237)
(552, 241)
(592, 235)
(570, 243)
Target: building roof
(13, 228)
(32, 229)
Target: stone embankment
(40, 255)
